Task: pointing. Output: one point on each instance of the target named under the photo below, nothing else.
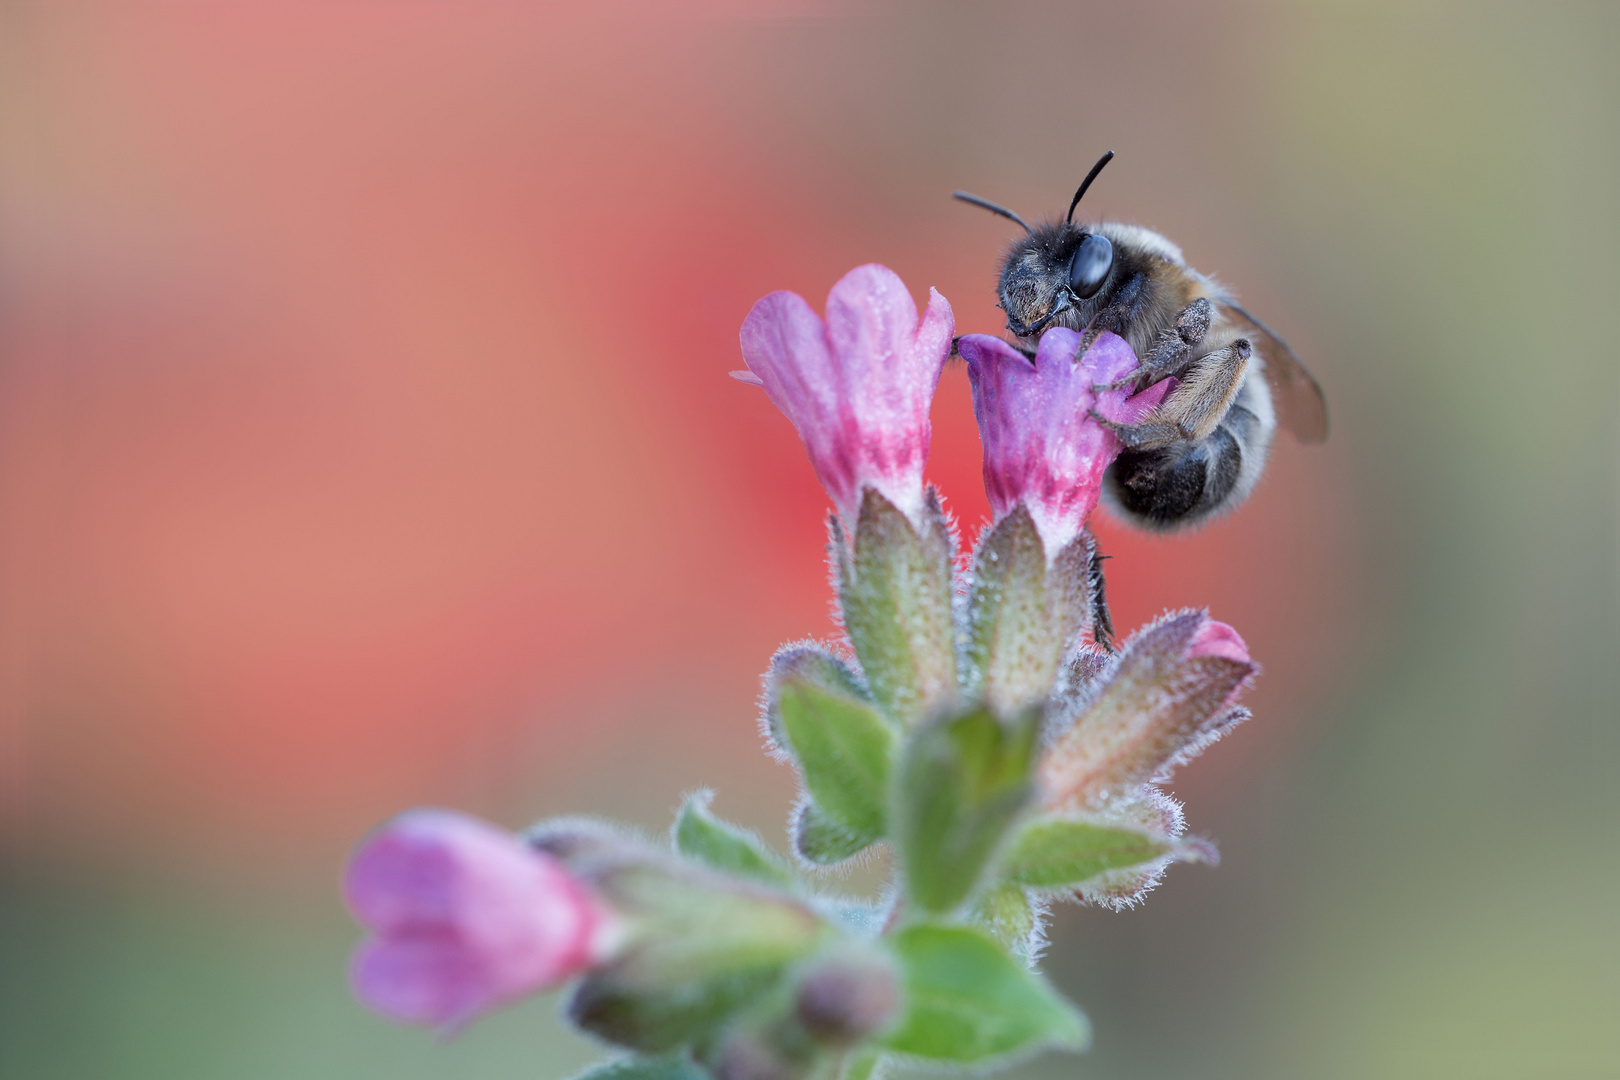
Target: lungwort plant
(975, 719)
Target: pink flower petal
(934, 335)
(857, 388)
(871, 324)
(429, 980)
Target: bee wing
(1295, 393)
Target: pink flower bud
(857, 387)
(465, 918)
(1042, 447)
(1164, 697)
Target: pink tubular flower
(1042, 448)
(465, 918)
(857, 387)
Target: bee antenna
(992, 207)
(1090, 176)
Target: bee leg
(1196, 407)
(1173, 348)
(1102, 623)
(1207, 391)
(1151, 434)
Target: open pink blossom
(465, 917)
(1042, 448)
(857, 386)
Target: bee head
(1049, 275)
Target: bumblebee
(1202, 451)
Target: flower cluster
(975, 718)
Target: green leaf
(699, 835)
(1057, 852)
(969, 1002)
(814, 666)
(821, 840)
(963, 781)
(662, 1067)
(894, 592)
(845, 750)
(860, 1065)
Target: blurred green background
(364, 442)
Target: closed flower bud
(752, 1055)
(1169, 693)
(858, 386)
(845, 999)
(1042, 447)
(465, 918)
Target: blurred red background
(366, 432)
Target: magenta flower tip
(465, 918)
(746, 377)
(858, 385)
(1042, 446)
(1219, 639)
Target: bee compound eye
(1089, 268)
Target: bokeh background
(365, 442)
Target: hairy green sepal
(1022, 613)
(703, 950)
(894, 591)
